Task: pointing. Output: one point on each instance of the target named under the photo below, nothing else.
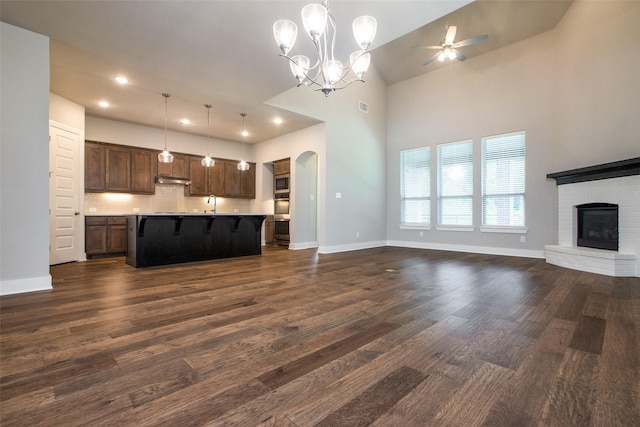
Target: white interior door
(64, 215)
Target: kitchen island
(172, 238)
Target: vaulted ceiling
(223, 53)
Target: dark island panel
(174, 238)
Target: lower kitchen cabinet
(105, 235)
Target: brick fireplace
(616, 183)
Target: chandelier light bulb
(299, 67)
(360, 61)
(364, 30)
(314, 19)
(285, 32)
(332, 70)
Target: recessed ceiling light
(185, 121)
(122, 80)
(277, 121)
(103, 104)
(244, 133)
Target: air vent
(363, 106)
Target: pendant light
(165, 156)
(243, 165)
(208, 162)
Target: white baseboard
(303, 245)
(29, 284)
(487, 250)
(350, 247)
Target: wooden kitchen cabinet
(215, 179)
(268, 230)
(179, 168)
(239, 184)
(105, 235)
(232, 179)
(198, 177)
(118, 169)
(281, 167)
(143, 171)
(248, 182)
(206, 181)
(94, 167)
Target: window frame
(484, 196)
(440, 182)
(403, 198)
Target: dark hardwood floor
(384, 337)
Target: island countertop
(162, 238)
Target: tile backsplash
(168, 198)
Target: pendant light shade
(165, 156)
(243, 165)
(208, 162)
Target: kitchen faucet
(215, 201)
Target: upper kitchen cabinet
(215, 178)
(248, 182)
(281, 167)
(143, 171)
(237, 183)
(107, 168)
(179, 168)
(118, 169)
(198, 175)
(94, 167)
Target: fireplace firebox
(597, 226)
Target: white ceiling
(223, 52)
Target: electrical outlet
(422, 234)
(195, 210)
(523, 239)
(338, 195)
(136, 209)
(357, 234)
(93, 209)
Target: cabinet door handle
(76, 213)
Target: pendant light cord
(166, 98)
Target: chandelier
(165, 156)
(327, 74)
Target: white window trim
(503, 229)
(414, 227)
(455, 228)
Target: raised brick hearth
(623, 191)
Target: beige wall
(574, 90)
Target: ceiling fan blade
(427, 47)
(459, 55)
(428, 61)
(473, 40)
(451, 34)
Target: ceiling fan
(448, 49)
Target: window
(503, 189)
(415, 185)
(455, 183)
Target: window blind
(415, 185)
(503, 180)
(455, 183)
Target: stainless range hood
(172, 180)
